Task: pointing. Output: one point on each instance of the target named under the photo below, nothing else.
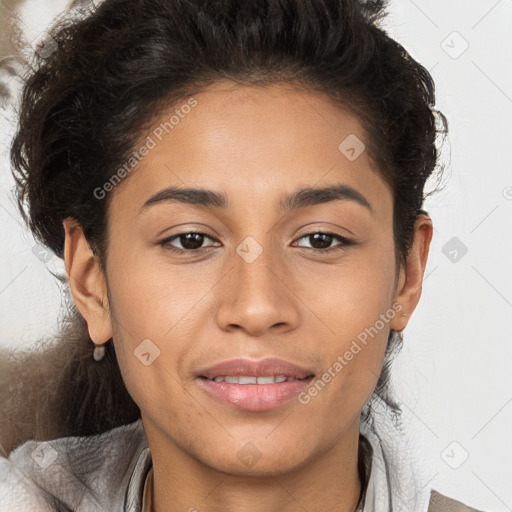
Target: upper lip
(264, 367)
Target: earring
(99, 352)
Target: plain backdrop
(453, 377)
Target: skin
(255, 145)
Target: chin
(249, 461)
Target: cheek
(353, 362)
(151, 298)
(350, 297)
(354, 303)
(157, 312)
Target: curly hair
(85, 106)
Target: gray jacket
(106, 473)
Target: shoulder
(72, 473)
(17, 492)
(441, 503)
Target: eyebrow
(308, 196)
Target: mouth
(254, 385)
(252, 379)
(262, 369)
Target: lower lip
(254, 397)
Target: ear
(410, 278)
(86, 282)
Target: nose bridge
(255, 266)
(255, 269)
(255, 298)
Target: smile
(247, 379)
(253, 393)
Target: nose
(257, 297)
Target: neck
(183, 483)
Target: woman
(236, 190)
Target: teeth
(266, 380)
(249, 379)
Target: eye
(321, 241)
(191, 241)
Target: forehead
(253, 140)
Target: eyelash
(345, 242)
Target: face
(254, 270)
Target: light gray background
(453, 376)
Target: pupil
(325, 240)
(191, 240)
